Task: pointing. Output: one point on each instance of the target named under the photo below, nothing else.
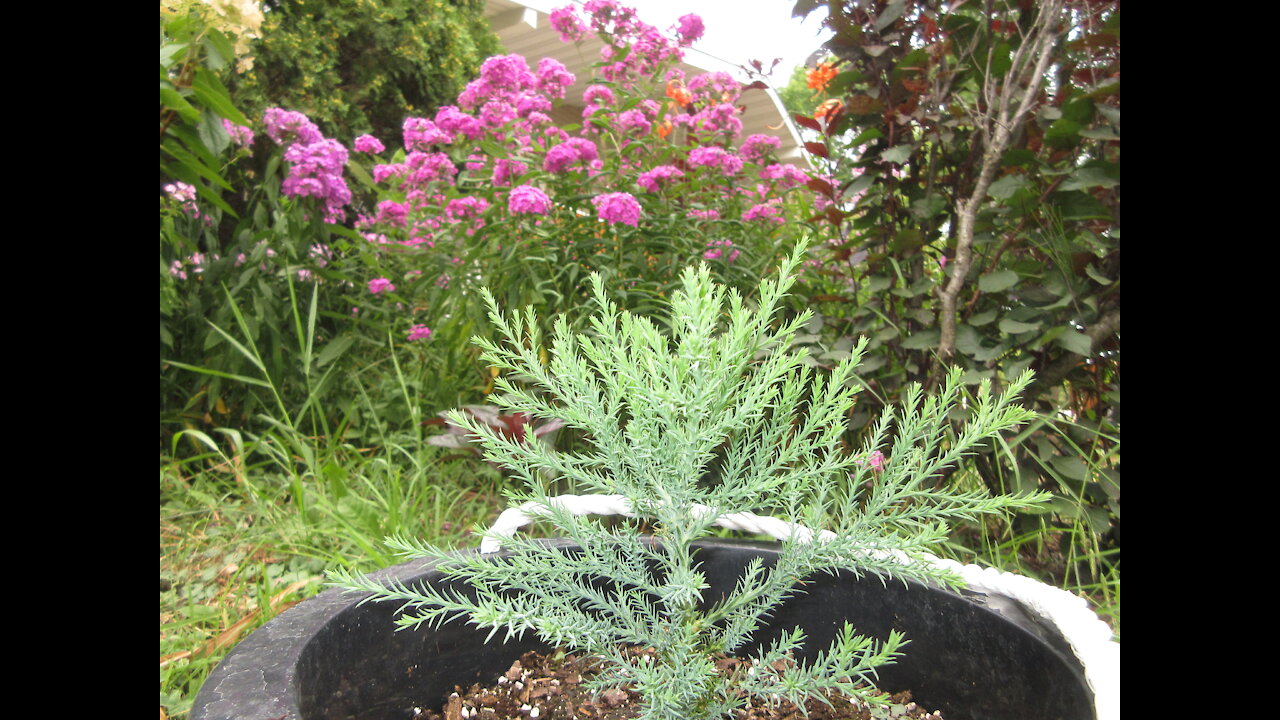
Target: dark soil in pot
(330, 658)
(551, 687)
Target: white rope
(1089, 637)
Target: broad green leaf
(862, 183)
(1013, 327)
(219, 50)
(211, 92)
(998, 281)
(191, 162)
(922, 340)
(897, 154)
(982, 318)
(173, 100)
(1097, 276)
(928, 206)
(968, 341)
(1076, 342)
(1006, 186)
(1088, 177)
(212, 133)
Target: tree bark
(995, 126)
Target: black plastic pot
(974, 658)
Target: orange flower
(826, 109)
(819, 77)
(664, 129)
(677, 92)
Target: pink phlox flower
(663, 174)
(598, 95)
(617, 207)
(528, 200)
(716, 157)
(368, 144)
(452, 120)
(689, 29)
(554, 78)
(321, 254)
(766, 212)
(634, 122)
(423, 134)
(505, 170)
(565, 21)
(286, 127)
(425, 168)
(419, 332)
(239, 134)
(785, 176)
(392, 213)
(717, 249)
(757, 146)
(875, 461)
(380, 285)
(496, 113)
(703, 214)
(568, 153)
(465, 208)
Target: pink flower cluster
(239, 134)
(368, 144)
(662, 175)
(717, 248)
(419, 332)
(316, 163)
(381, 285)
(528, 200)
(617, 207)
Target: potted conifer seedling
(711, 422)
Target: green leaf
(213, 95)
(922, 340)
(1076, 342)
(928, 206)
(998, 281)
(173, 100)
(494, 149)
(1013, 327)
(982, 318)
(218, 49)
(897, 154)
(1006, 186)
(212, 133)
(1088, 177)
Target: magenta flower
(661, 175)
(617, 208)
(286, 127)
(756, 147)
(380, 285)
(419, 332)
(369, 144)
(565, 21)
(240, 135)
(689, 29)
(875, 461)
(528, 200)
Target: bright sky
(742, 30)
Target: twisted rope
(1089, 637)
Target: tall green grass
(251, 518)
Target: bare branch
(995, 126)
